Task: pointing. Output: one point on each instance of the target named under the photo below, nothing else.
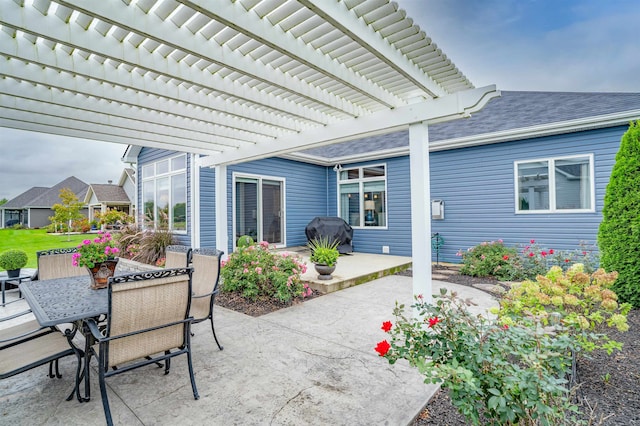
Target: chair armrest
(199, 296)
(16, 315)
(92, 325)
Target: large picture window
(555, 185)
(362, 196)
(164, 194)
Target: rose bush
(255, 271)
(503, 374)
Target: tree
(619, 233)
(68, 210)
(3, 201)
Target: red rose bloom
(533, 241)
(383, 347)
(550, 251)
(505, 257)
(433, 321)
(531, 254)
(386, 326)
(543, 253)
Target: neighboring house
(529, 165)
(32, 208)
(101, 197)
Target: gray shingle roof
(52, 196)
(513, 110)
(25, 198)
(107, 193)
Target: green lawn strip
(33, 240)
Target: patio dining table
(68, 301)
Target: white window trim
(154, 179)
(260, 178)
(552, 185)
(361, 182)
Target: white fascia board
(132, 18)
(570, 126)
(446, 108)
(131, 155)
(338, 15)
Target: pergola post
(420, 209)
(222, 239)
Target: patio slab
(310, 364)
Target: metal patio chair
(147, 322)
(177, 256)
(57, 263)
(27, 345)
(206, 276)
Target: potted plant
(324, 255)
(13, 260)
(98, 256)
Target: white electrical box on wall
(437, 209)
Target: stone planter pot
(324, 271)
(101, 272)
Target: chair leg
(54, 364)
(214, 333)
(167, 364)
(159, 364)
(196, 395)
(103, 393)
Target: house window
(555, 185)
(362, 196)
(259, 206)
(164, 194)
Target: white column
(222, 238)
(195, 201)
(420, 209)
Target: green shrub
(619, 233)
(506, 375)
(13, 259)
(487, 259)
(582, 304)
(245, 241)
(255, 271)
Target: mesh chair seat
(58, 263)
(206, 277)
(177, 256)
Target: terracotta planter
(101, 272)
(324, 271)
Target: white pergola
(232, 80)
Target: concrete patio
(310, 364)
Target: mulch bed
(259, 307)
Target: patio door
(259, 209)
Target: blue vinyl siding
(151, 155)
(477, 185)
(398, 233)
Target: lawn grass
(33, 240)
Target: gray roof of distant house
(52, 196)
(25, 198)
(513, 110)
(108, 193)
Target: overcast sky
(542, 45)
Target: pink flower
(532, 241)
(386, 326)
(420, 296)
(500, 241)
(223, 263)
(531, 254)
(505, 327)
(550, 251)
(483, 257)
(264, 244)
(543, 253)
(245, 270)
(85, 242)
(259, 270)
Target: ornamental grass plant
(255, 271)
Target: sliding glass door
(259, 209)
